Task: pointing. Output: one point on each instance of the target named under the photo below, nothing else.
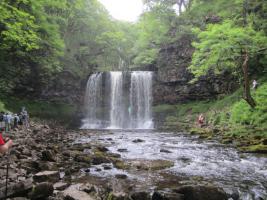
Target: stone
(121, 176)
(22, 188)
(102, 149)
(122, 150)
(88, 188)
(118, 196)
(107, 167)
(97, 160)
(140, 196)
(48, 156)
(165, 151)
(60, 186)
(47, 176)
(151, 164)
(41, 191)
(138, 140)
(163, 195)
(73, 193)
(201, 192)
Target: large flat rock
(73, 193)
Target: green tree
(227, 46)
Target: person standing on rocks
(5, 144)
(201, 120)
(16, 121)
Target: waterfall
(140, 100)
(116, 108)
(119, 100)
(91, 100)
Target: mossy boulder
(151, 164)
(260, 148)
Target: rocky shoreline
(46, 163)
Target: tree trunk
(246, 93)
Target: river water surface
(245, 174)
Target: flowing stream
(122, 100)
(244, 174)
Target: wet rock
(184, 159)
(102, 149)
(88, 188)
(97, 160)
(121, 176)
(60, 186)
(73, 193)
(165, 151)
(151, 164)
(192, 192)
(138, 140)
(140, 195)
(114, 155)
(107, 167)
(83, 158)
(15, 189)
(260, 148)
(41, 191)
(48, 156)
(163, 195)
(47, 176)
(118, 196)
(122, 150)
(81, 147)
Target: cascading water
(116, 109)
(92, 96)
(140, 100)
(119, 100)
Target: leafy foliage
(220, 47)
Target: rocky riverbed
(54, 163)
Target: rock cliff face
(66, 87)
(172, 78)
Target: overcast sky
(127, 10)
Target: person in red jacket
(5, 144)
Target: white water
(129, 97)
(93, 93)
(116, 110)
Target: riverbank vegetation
(40, 39)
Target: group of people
(8, 122)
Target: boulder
(201, 192)
(48, 156)
(17, 189)
(73, 193)
(138, 140)
(60, 186)
(140, 195)
(41, 191)
(97, 160)
(121, 176)
(47, 176)
(102, 149)
(118, 196)
(165, 151)
(163, 195)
